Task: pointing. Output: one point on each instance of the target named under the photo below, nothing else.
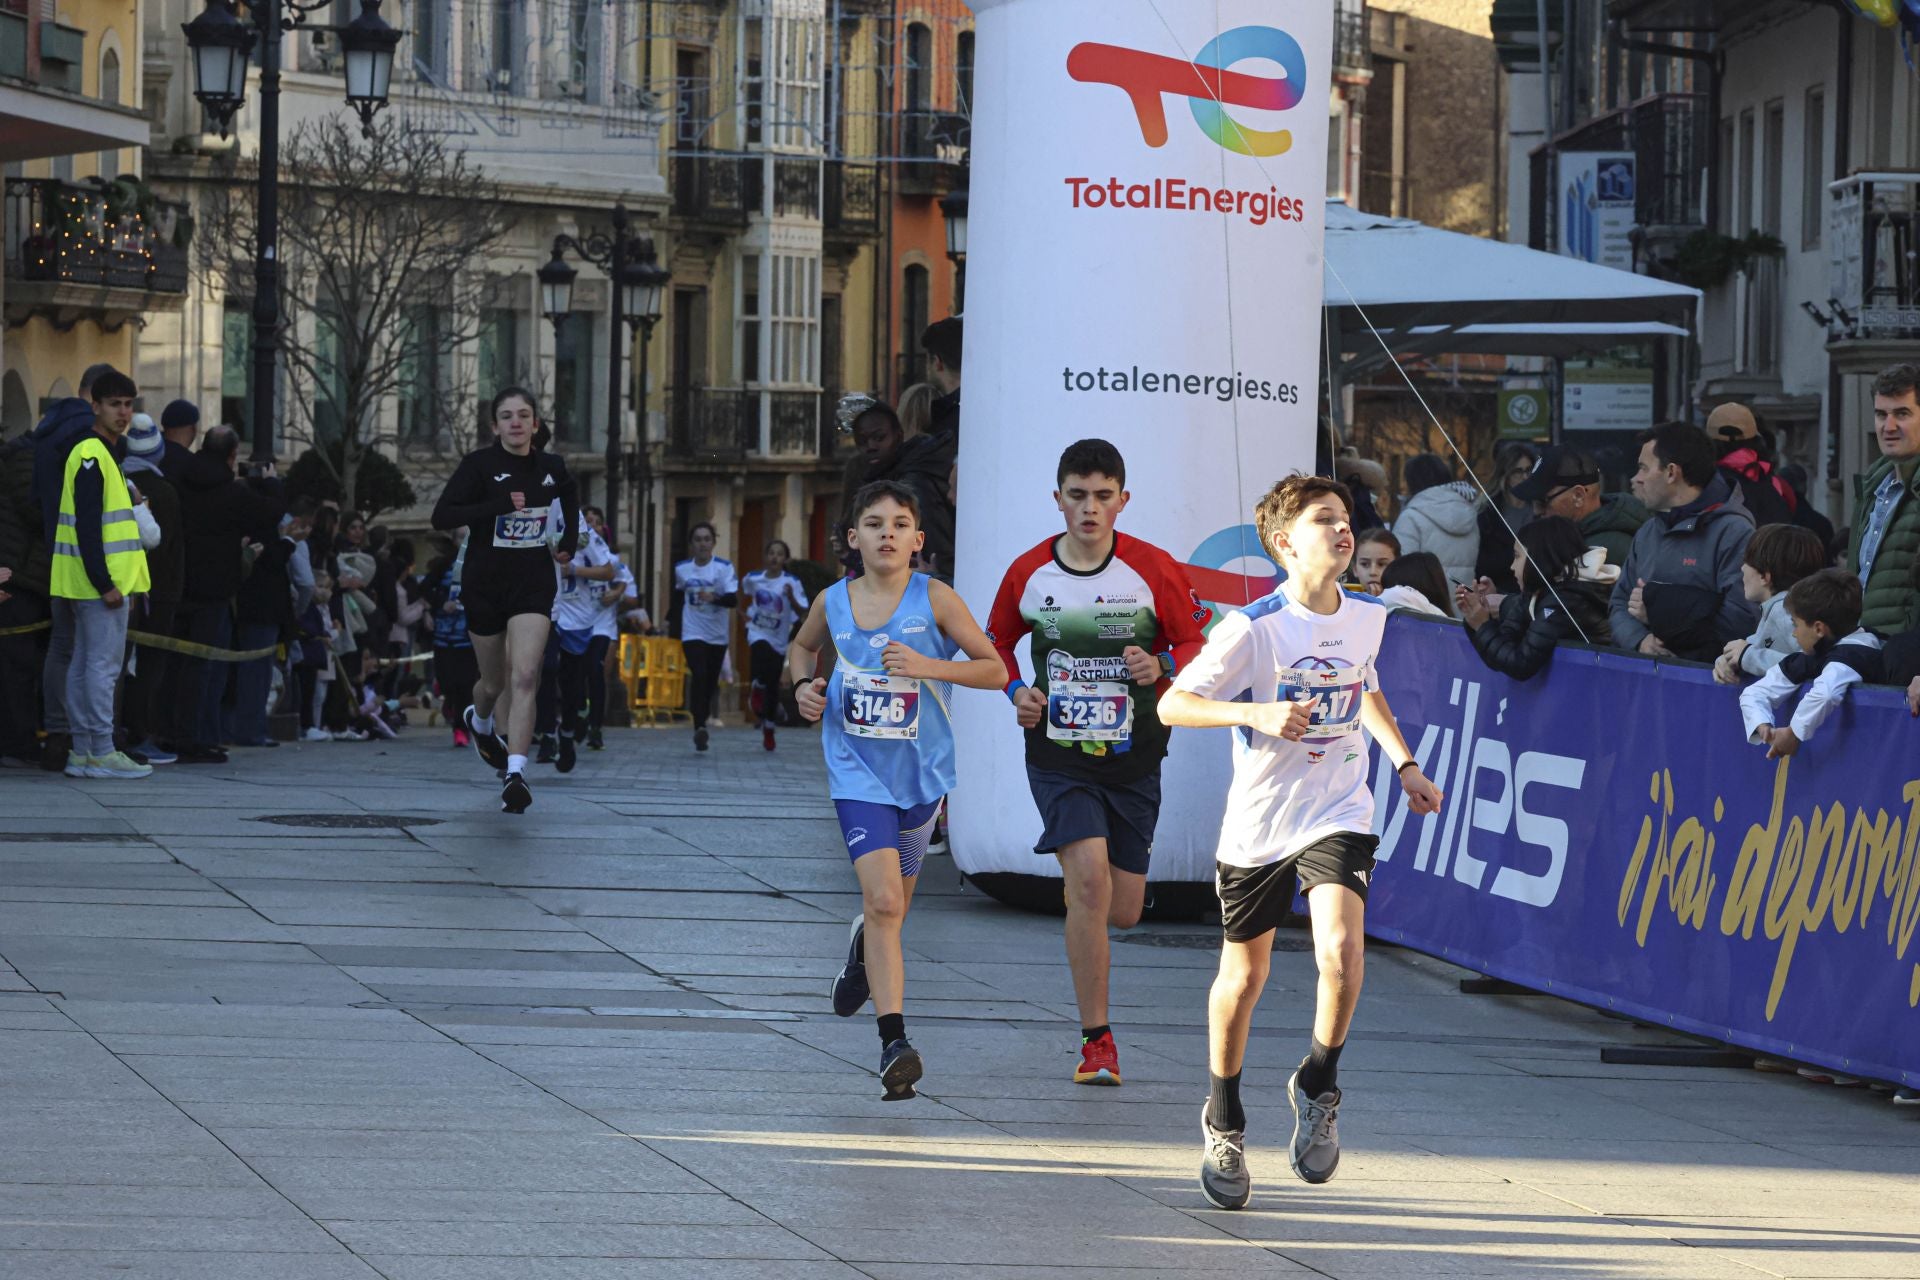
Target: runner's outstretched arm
(1377, 717)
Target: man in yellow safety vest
(97, 563)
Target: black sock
(1094, 1033)
(1320, 1070)
(1223, 1102)
(893, 1026)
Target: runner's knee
(1340, 953)
(886, 906)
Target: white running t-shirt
(1286, 795)
(701, 616)
(578, 600)
(773, 606)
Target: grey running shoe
(1224, 1179)
(849, 986)
(1316, 1134)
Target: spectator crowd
(160, 598)
(1715, 556)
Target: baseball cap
(143, 438)
(1732, 421)
(1559, 466)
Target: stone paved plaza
(594, 1043)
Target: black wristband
(1411, 764)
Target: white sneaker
(119, 765)
(316, 734)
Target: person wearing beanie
(180, 424)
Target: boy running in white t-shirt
(1292, 675)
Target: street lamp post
(637, 280)
(220, 43)
(953, 207)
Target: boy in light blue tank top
(887, 738)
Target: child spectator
(1417, 583)
(1835, 654)
(1563, 595)
(1372, 553)
(1778, 556)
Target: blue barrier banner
(1609, 836)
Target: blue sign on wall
(1609, 836)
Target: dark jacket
(65, 425)
(174, 460)
(1521, 640)
(944, 415)
(1690, 560)
(923, 465)
(166, 563)
(266, 594)
(1612, 525)
(222, 512)
(1892, 598)
(23, 543)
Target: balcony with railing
(1873, 225)
(794, 424)
(1668, 136)
(931, 146)
(853, 198)
(796, 187)
(712, 424)
(716, 190)
(77, 247)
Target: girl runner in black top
(504, 495)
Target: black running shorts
(1255, 900)
(1123, 814)
(491, 600)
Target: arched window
(109, 91)
(915, 300)
(963, 72)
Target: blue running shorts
(867, 826)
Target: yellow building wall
(48, 361)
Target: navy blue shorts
(1123, 814)
(867, 826)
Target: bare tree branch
(383, 246)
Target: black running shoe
(516, 795)
(900, 1068)
(567, 754)
(849, 988)
(594, 741)
(700, 739)
(547, 753)
(492, 751)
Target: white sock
(483, 723)
(516, 764)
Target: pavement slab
(594, 1042)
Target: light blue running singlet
(887, 739)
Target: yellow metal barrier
(654, 671)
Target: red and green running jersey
(1099, 724)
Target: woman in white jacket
(1440, 515)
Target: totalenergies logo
(1206, 83)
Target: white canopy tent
(1427, 291)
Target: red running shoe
(1099, 1061)
(460, 739)
(766, 736)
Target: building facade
(91, 254)
(1778, 159)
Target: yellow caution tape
(152, 641)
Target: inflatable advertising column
(1146, 217)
